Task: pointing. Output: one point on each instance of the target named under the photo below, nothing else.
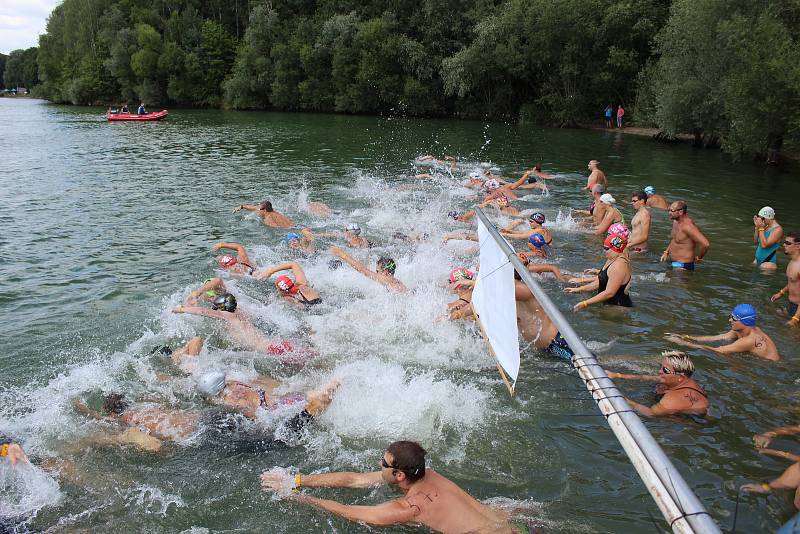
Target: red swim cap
(615, 242)
(284, 283)
(227, 261)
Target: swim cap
(461, 273)
(607, 199)
(615, 242)
(474, 175)
(226, 302)
(650, 190)
(745, 313)
(537, 218)
(227, 261)
(502, 201)
(284, 283)
(452, 214)
(387, 264)
(537, 240)
(334, 263)
(619, 229)
(598, 188)
(353, 227)
(211, 383)
(491, 184)
(291, 236)
(766, 212)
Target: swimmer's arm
(246, 207)
(602, 228)
(622, 376)
(199, 310)
(390, 513)
(697, 236)
(652, 411)
(774, 237)
(342, 480)
(514, 235)
(547, 268)
(81, 407)
(240, 250)
(740, 345)
(461, 237)
(512, 226)
(520, 181)
(727, 336)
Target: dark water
(106, 227)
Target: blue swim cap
(292, 236)
(537, 240)
(650, 190)
(745, 313)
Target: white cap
(766, 212)
(211, 383)
(353, 227)
(607, 199)
(475, 175)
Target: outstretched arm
(297, 271)
(247, 207)
(461, 237)
(763, 440)
(393, 512)
(199, 310)
(241, 253)
(622, 376)
(352, 262)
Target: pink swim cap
(619, 229)
(461, 273)
(227, 261)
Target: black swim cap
(226, 302)
(334, 263)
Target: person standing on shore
(686, 237)
(791, 247)
(596, 176)
(767, 236)
(620, 114)
(609, 114)
(640, 223)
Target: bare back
(161, 423)
(442, 506)
(276, 220)
(688, 397)
(657, 201)
(762, 345)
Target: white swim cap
(353, 227)
(474, 175)
(607, 199)
(211, 383)
(491, 184)
(766, 212)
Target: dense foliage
(726, 70)
(20, 69)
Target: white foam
(25, 489)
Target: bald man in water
(597, 176)
(686, 238)
(428, 499)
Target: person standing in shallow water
(609, 113)
(767, 236)
(686, 237)
(791, 247)
(640, 223)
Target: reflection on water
(106, 227)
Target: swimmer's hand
(756, 488)
(664, 256)
(776, 297)
(178, 309)
(336, 251)
(572, 289)
(613, 374)
(762, 440)
(278, 481)
(16, 455)
(680, 339)
(237, 208)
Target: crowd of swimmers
(428, 497)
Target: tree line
(727, 71)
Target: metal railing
(680, 506)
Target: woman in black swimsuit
(613, 280)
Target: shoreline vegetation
(722, 71)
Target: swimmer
(767, 236)
(248, 397)
(211, 289)
(790, 478)
(352, 234)
(383, 274)
(475, 180)
(302, 242)
(268, 214)
(494, 187)
(12, 452)
(319, 209)
(462, 283)
(680, 393)
(241, 329)
(185, 357)
(530, 180)
(296, 291)
(654, 200)
(611, 215)
(537, 245)
(535, 325)
(459, 237)
(597, 210)
(613, 279)
(686, 237)
(448, 161)
(744, 335)
(428, 498)
(596, 176)
(541, 267)
(501, 202)
(791, 247)
(640, 223)
(536, 226)
(463, 217)
(239, 264)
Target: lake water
(107, 227)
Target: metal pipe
(679, 505)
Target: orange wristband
(4, 450)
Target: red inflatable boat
(156, 116)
